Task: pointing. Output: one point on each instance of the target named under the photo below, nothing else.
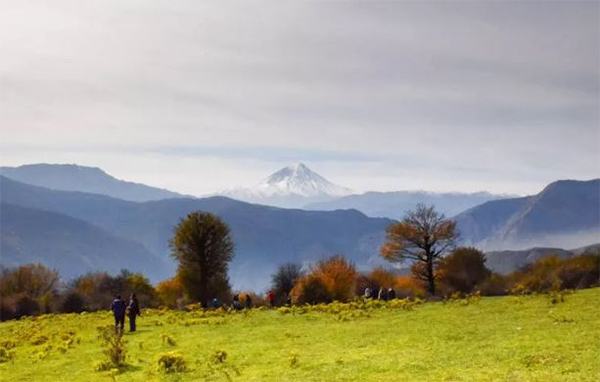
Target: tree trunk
(430, 278)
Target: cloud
(378, 94)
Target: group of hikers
(120, 308)
(381, 294)
(132, 308)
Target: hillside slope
(70, 177)
(565, 214)
(71, 245)
(264, 236)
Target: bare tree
(424, 236)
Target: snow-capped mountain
(292, 187)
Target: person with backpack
(133, 310)
(118, 307)
(236, 302)
(248, 301)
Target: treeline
(203, 248)
(34, 289)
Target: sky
(199, 96)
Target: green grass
(493, 339)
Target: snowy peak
(298, 179)
(292, 186)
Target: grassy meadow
(512, 338)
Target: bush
(495, 285)
(26, 306)
(171, 362)
(339, 277)
(73, 303)
(7, 309)
(463, 270)
(580, 271)
(310, 290)
(406, 286)
(114, 348)
(170, 292)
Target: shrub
(406, 286)
(495, 285)
(170, 291)
(310, 290)
(580, 271)
(73, 303)
(463, 270)
(339, 277)
(7, 309)
(539, 277)
(26, 306)
(115, 348)
(171, 362)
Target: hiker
(215, 303)
(271, 298)
(374, 294)
(118, 307)
(133, 310)
(367, 292)
(382, 295)
(236, 302)
(248, 301)
(288, 300)
(391, 294)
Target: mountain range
(264, 236)
(71, 177)
(565, 214)
(87, 228)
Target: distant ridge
(565, 214)
(71, 177)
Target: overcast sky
(197, 96)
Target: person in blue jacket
(119, 307)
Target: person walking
(391, 294)
(382, 295)
(367, 292)
(248, 301)
(133, 310)
(236, 302)
(118, 307)
(271, 298)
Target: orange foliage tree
(423, 236)
(338, 275)
(170, 291)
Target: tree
(423, 236)
(463, 269)
(338, 275)
(203, 247)
(32, 280)
(284, 279)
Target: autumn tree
(31, 280)
(284, 279)
(423, 236)
(463, 269)
(338, 275)
(203, 247)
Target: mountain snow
(292, 186)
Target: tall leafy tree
(203, 247)
(423, 236)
